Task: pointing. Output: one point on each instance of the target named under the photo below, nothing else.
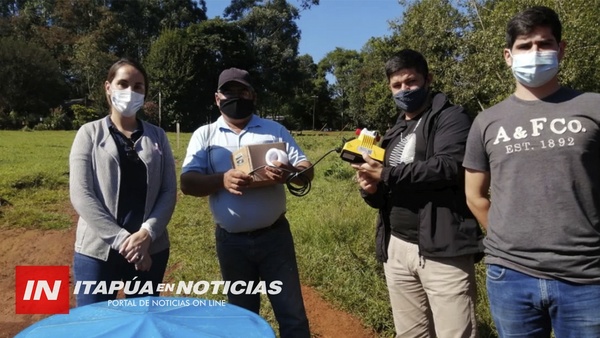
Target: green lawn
(333, 228)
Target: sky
(348, 24)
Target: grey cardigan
(94, 188)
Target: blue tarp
(153, 317)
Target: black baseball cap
(235, 74)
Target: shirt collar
(136, 133)
(254, 122)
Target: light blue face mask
(534, 69)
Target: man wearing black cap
(253, 238)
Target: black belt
(260, 231)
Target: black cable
(298, 190)
(303, 188)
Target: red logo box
(42, 289)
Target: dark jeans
(266, 255)
(116, 268)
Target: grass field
(333, 228)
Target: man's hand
(368, 174)
(366, 183)
(279, 172)
(235, 181)
(135, 245)
(477, 185)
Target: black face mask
(237, 108)
(411, 100)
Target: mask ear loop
(512, 58)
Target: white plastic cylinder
(275, 154)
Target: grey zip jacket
(94, 181)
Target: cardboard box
(251, 160)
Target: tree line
(54, 55)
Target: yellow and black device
(354, 149)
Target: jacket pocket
(445, 228)
(81, 234)
(437, 229)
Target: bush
(58, 120)
(84, 115)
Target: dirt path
(35, 247)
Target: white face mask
(534, 69)
(126, 101)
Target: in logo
(42, 289)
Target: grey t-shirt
(544, 162)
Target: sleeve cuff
(363, 193)
(119, 239)
(146, 226)
(385, 175)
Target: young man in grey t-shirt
(539, 152)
